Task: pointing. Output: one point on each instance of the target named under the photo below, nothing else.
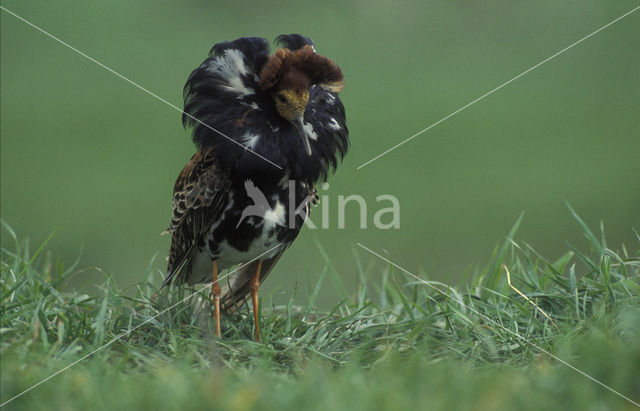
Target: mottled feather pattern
(197, 186)
(199, 196)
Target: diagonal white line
(134, 328)
(515, 334)
(136, 85)
(496, 89)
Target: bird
(262, 123)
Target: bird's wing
(199, 197)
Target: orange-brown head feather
(298, 69)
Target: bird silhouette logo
(261, 207)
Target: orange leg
(215, 291)
(255, 284)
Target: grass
(392, 344)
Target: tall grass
(394, 336)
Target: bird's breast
(258, 220)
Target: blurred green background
(86, 152)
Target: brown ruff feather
(298, 69)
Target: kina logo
(260, 207)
